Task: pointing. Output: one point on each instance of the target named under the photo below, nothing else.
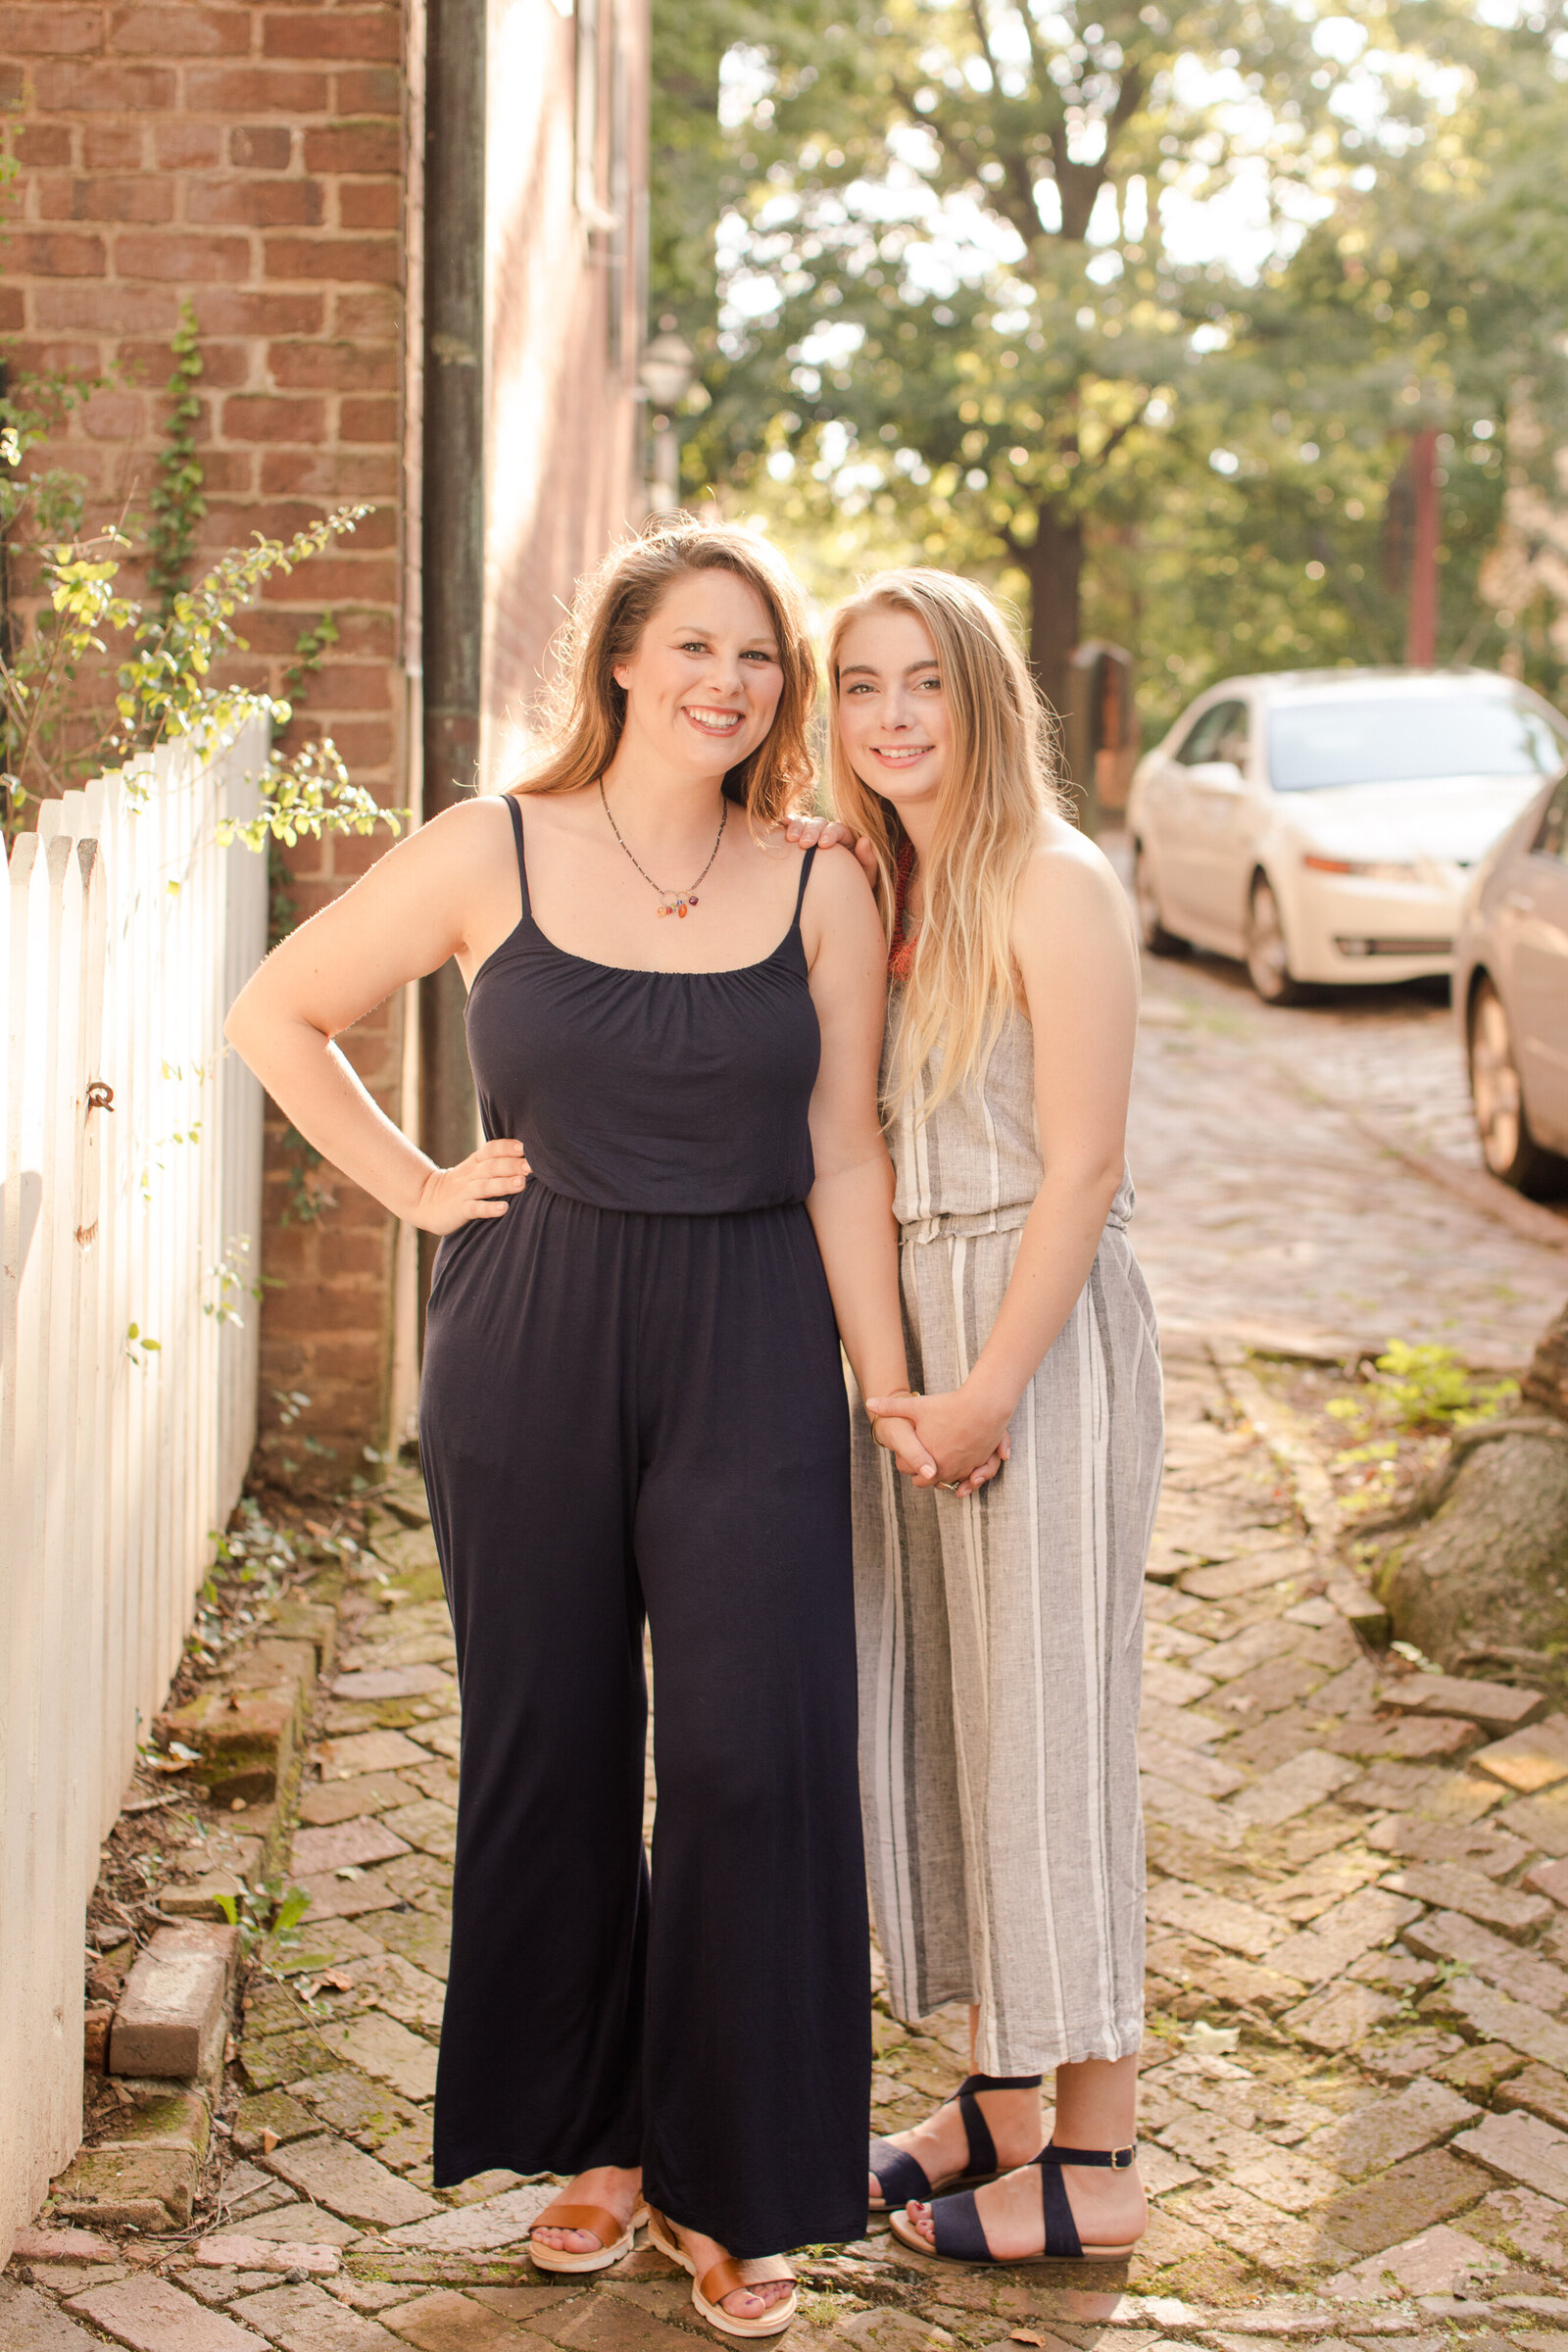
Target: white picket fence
(132, 1166)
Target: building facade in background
(318, 181)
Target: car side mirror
(1220, 775)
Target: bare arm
(401, 921)
(1073, 940)
(850, 1201)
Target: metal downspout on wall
(453, 519)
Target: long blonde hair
(997, 787)
(586, 709)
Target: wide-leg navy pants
(624, 1413)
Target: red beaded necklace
(900, 954)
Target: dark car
(1510, 992)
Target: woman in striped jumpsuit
(1001, 1633)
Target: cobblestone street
(1355, 2075)
(1273, 1199)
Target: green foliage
(960, 330)
(1415, 1390)
(696, 169)
(310, 646)
(228, 1284)
(267, 1916)
(178, 503)
(976, 328)
(139, 1348)
(309, 1195)
(308, 792)
(166, 661)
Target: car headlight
(1364, 870)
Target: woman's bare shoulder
(472, 827)
(1069, 880)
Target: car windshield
(1407, 739)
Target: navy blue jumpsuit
(632, 1403)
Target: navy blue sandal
(959, 2232)
(901, 2176)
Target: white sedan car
(1320, 825)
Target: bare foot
(1108, 2208)
(941, 2148)
(749, 2302)
(602, 2184)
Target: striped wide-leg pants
(999, 1657)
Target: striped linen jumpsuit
(1000, 1636)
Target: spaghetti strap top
(656, 1092)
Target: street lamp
(670, 365)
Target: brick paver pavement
(1355, 2078)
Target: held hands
(954, 1440)
(477, 1187)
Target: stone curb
(164, 2040)
(1309, 1481)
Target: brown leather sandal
(726, 2277)
(615, 2237)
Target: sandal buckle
(1122, 2158)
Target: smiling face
(704, 681)
(893, 718)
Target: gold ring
(950, 1486)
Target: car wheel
(1507, 1146)
(1150, 929)
(1268, 956)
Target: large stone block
(1498, 1706)
(351, 2183)
(246, 1741)
(28, 2323)
(308, 1621)
(273, 1661)
(171, 2017)
(151, 2315)
(1410, 2197)
(146, 2176)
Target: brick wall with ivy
(244, 165)
(213, 214)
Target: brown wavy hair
(585, 711)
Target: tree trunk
(1054, 564)
(1545, 1384)
(1478, 1577)
(1480, 1585)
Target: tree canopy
(1132, 308)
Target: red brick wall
(255, 159)
(249, 158)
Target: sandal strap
(899, 2174)
(982, 2147)
(726, 2278)
(958, 2230)
(1115, 2160)
(976, 2131)
(1063, 2241)
(597, 2220)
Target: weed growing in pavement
(1412, 1394)
(268, 1917)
